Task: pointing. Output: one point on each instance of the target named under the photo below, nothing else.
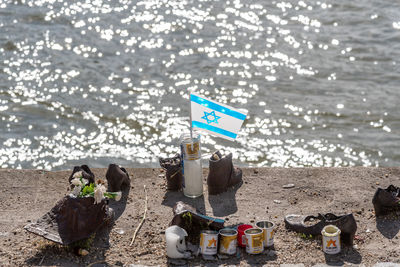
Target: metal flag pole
(191, 161)
(190, 112)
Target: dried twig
(94, 263)
(41, 261)
(142, 221)
(172, 176)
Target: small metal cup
(269, 231)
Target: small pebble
(119, 231)
(277, 201)
(377, 183)
(83, 252)
(287, 186)
(368, 231)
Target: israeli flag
(215, 118)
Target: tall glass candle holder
(191, 161)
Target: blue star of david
(211, 114)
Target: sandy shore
(25, 195)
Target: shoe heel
(348, 238)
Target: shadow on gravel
(388, 226)
(119, 206)
(171, 197)
(224, 204)
(198, 261)
(102, 238)
(51, 254)
(260, 259)
(347, 255)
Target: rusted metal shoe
(186, 217)
(173, 168)
(386, 200)
(313, 225)
(86, 173)
(222, 174)
(72, 219)
(117, 178)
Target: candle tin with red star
(331, 239)
(208, 242)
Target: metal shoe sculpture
(173, 174)
(72, 219)
(222, 174)
(186, 217)
(80, 214)
(386, 200)
(304, 224)
(117, 178)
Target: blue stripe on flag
(213, 129)
(211, 105)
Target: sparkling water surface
(101, 81)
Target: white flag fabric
(215, 118)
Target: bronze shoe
(173, 174)
(222, 174)
(117, 178)
(72, 219)
(186, 217)
(313, 225)
(386, 200)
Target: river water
(95, 81)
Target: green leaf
(90, 188)
(110, 195)
(84, 190)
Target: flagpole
(190, 112)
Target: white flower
(118, 196)
(99, 193)
(84, 181)
(77, 175)
(76, 182)
(76, 191)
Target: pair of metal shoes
(77, 218)
(117, 177)
(385, 201)
(221, 177)
(313, 225)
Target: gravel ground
(25, 195)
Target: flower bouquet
(82, 188)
